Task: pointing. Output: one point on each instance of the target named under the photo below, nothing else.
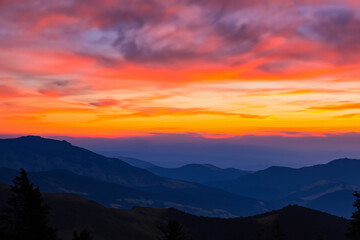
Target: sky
(246, 152)
(215, 68)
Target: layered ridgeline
(326, 187)
(113, 182)
(200, 173)
(136, 162)
(57, 166)
(69, 212)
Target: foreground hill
(142, 187)
(324, 187)
(200, 173)
(70, 212)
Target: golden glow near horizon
(89, 74)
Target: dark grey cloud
(335, 26)
(165, 32)
(61, 83)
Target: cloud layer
(115, 67)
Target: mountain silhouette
(35, 153)
(112, 176)
(314, 186)
(200, 173)
(277, 182)
(137, 162)
(58, 166)
(70, 212)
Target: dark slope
(278, 182)
(200, 173)
(303, 223)
(136, 162)
(327, 196)
(338, 203)
(325, 187)
(40, 154)
(62, 181)
(189, 197)
(192, 200)
(70, 212)
(297, 223)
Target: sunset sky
(214, 68)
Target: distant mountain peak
(344, 161)
(201, 166)
(210, 166)
(32, 137)
(39, 139)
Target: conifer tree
(354, 230)
(173, 231)
(84, 235)
(25, 217)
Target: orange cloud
(134, 67)
(345, 106)
(105, 102)
(40, 62)
(349, 115)
(8, 92)
(156, 112)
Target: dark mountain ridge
(71, 212)
(120, 185)
(40, 154)
(277, 182)
(35, 153)
(117, 196)
(200, 173)
(136, 162)
(324, 187)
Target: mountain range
(70, 212)
(324, 187)
(59, 167)
(200, 173)
(136, 162)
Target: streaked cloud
(221, 68)
(351, 115)
(156, 111)
(345, 106)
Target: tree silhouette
(173, 231)
(84, 235)
(354, 230)
(25, 217)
